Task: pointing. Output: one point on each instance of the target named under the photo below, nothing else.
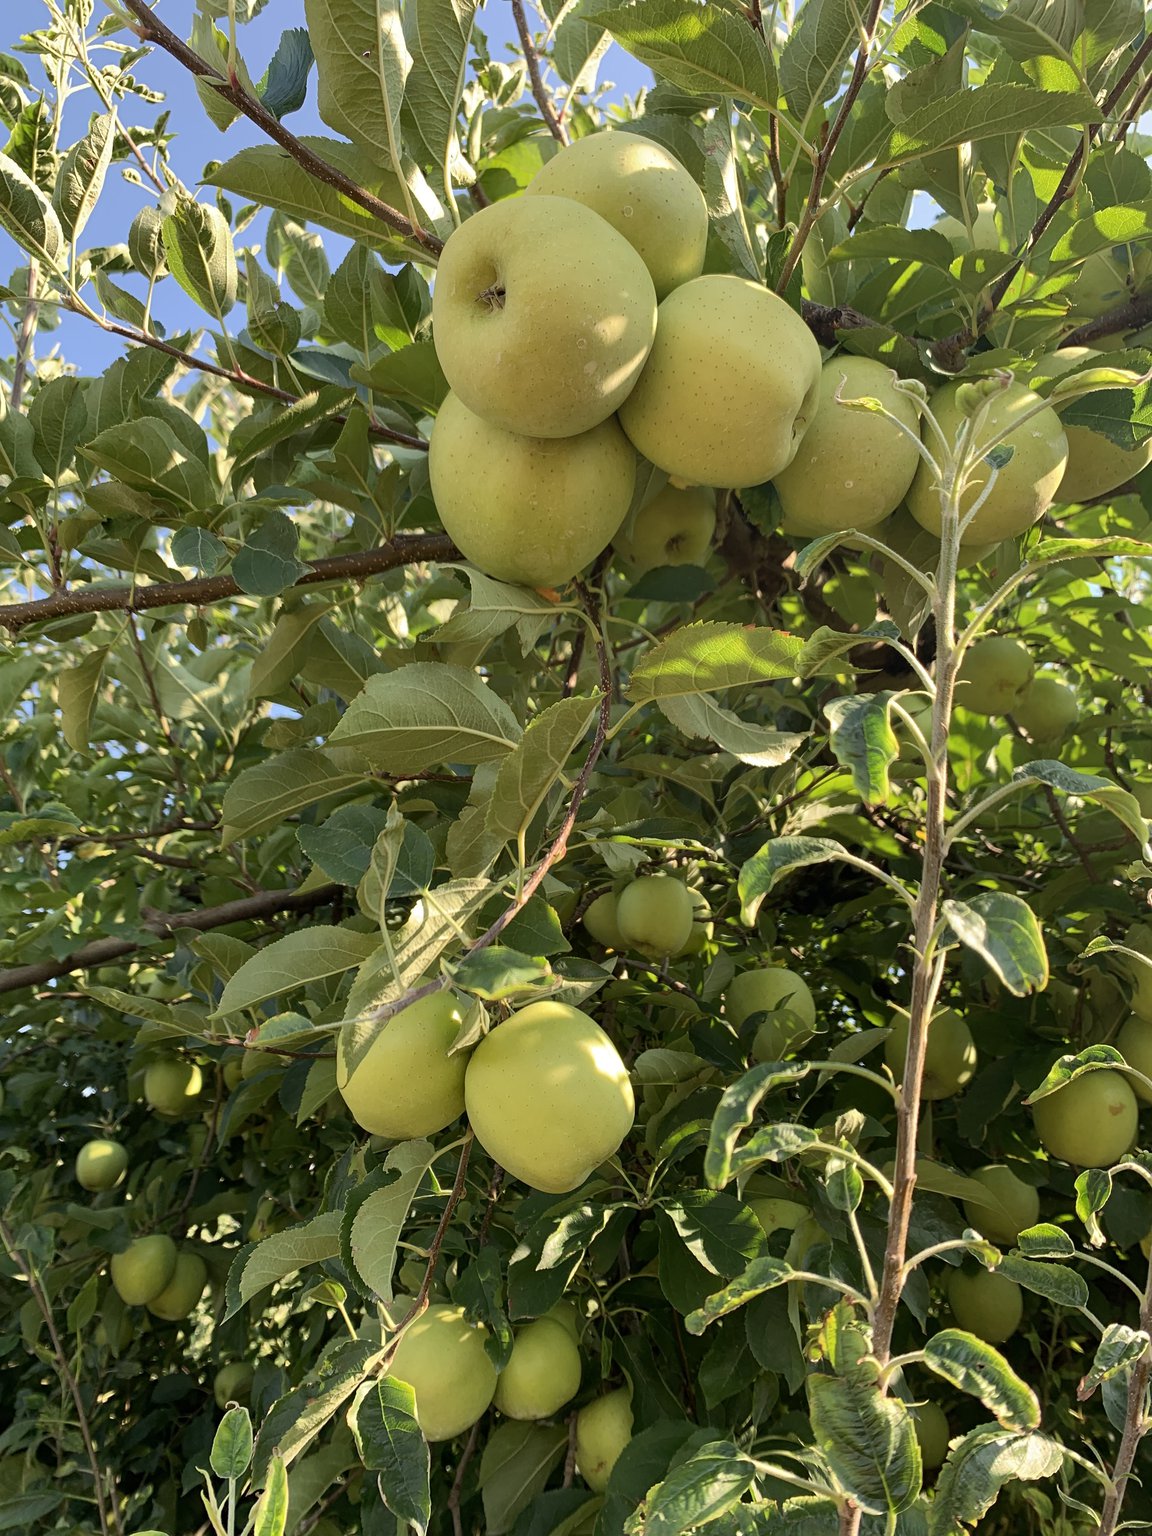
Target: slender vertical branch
(25, 338)
(539, 90)
(1135, 1424)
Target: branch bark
(1130, 316)
(405, 549)
(162, 924)
(539, 90)
(151, 30)
(1135, 1425)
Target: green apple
(1134, 1042)
(603, 1429)
(407, 1084)
(986, 1304)
(172, 1086)
(1102, 285)
(1091, 1122)
(932, 1434)
(1017, 1205)
(1096, 465)
(1139, 938)
(655, 915)
(854, 467)
(232, 1383)
(179, 1297)
(143, 1269)
(776, 1215)
(950, 1058)
(644, 193)
(730, 387)
(233, 1070)
(256, 1061)
(1047, 708)
(674, 528)
(542, 315)
(542, 1374)
(101, 1164)
(529, 510)
(600, 921)
(1025, 486)
(548, 1096)
(983, 235)
(993, 676)
(702, 926)
(565, 1313)
(441, 1356)
(774, 990)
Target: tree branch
(405, 549)
(1129, 316)
(163, 924)
(539, 90)
(152, 30)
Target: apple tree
(575, 769)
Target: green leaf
(308, 955)
(265, 1263)
(342, 847)
(1068, 1068)
(530, 771)
(80, 179)
(517, 1461)
(868, 1438)
(984, 1462)
(736, 1111)
(28, 216)
(977, 1368)
(699, 1490)
(496, 973)
(59, 417)
(375, 1213)
(824, 35)
(863, 741)
(362, 63)
(198, 549)
(264, 796)
(284, 87)
(990, 111)
(232, 1447)
(1088, 786)
(302, 1413)
(147, 455)
(702, 50)
(412, 373)
(1102, 230)
(438, 34)
(252, 437)
(705, 658)
(495, 607)
(270, 1516)
(723, 193)
(700, 716)
(424, 715)
(721, 1233)
(198, 249)
(267, 564)
(1003, 930)
(762, 1275)
(1063, 1287)
(779, 857)
(1119, 1349)
(77, 689)
(391, 1444)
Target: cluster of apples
(998, 677)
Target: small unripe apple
(179, 1297)
(655, 915)
(994, 675)
(542, 1374)
(441, 1356)
(172, 1086)
(548, 1096)
(950, 1057)
(529, 510)
(932, 1434)
(644, 193)
(233, 1072)
(1134, 1042)
(600, 921)
(1025, 486)
(1096, 465)
(603, 1429)
(1091, 1122)
(674, 528)
(854, 467)
(778, 991)
(143, 1269)
(1047, 708)
(542, 316)
(232, 1383)
(730, 387)
(1017, 1205)
(407, 1084)
(986, 1304)
(101, 1164)
(702, 926)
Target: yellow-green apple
(1091, 1122)
(142, 1270)
(775, 990)
(674, 528)
(441, 1356)
(542, 1374)
(1047, 708)
(994, 675)
(950, 1057)
(1134, 1042)
(1096, 465)
(986, 1304)
(603, 1429)
(101, 1164)
(232, 1383)
(932, 1434)
(730, 387)
(644, 193)
(548, 1096)
(172, 1085)
(542, 316)
(1015, 1206)
(407, 1084)
(183, 1291)
(600, 921)
(529, 510)
(655, 915)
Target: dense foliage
(274, 756)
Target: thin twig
(405, 549)
(1129, 316)
(539, 89)
(152, 30)
(1135, 1425)
(24, 340)
(458, 1480)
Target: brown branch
(825, 321)
(539, 90)
(458, 1480)
(405, 549)
(151, 30)
(1129, 316)
(233, 375)
(108, 1512)
(162, 925)
(1135, 1424)
(779, 180)
(828, 147)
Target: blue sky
(198, 141)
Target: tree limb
(163, 924)
(405, 549)
(151, 30)
(539, 91)
(1129, 316)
